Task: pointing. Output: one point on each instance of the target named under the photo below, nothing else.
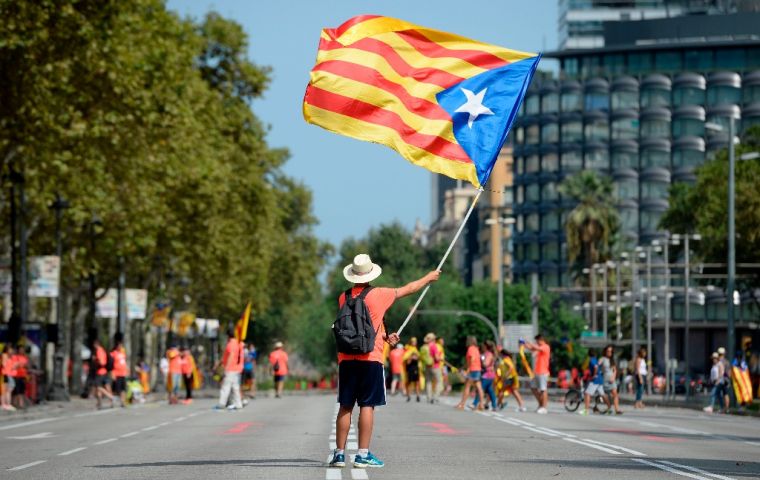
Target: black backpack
(353, 330)
(109, 362)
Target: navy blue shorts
(361, 382)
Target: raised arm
(417, 285)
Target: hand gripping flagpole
(443, 260)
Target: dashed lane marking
(107, 440)
(696, 470)
(509, 421)
(756, 444)
(70, 452)
(27, 465)
(540, 431)
(556, 432)
(130, 434)
(152, 427)
(624, 449)
(359, 474)
(670, 469)
(591, 445)
(523, 422)
(27, 424)
(333, 474)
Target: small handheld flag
(444, 102)
(241, 327)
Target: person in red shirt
(120, 370)
(396, 359)
(9, 381)
(233, 360)
(474, 373)
(188, 373)
(102, 382)
(278, 360)
(361, 377)
(175, 373)
(541, 353)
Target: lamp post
(92, 330)
(649, 316)
(605, 314)
(501, 221)
(58, 390)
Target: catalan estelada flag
(444, 102)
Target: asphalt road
(290, 438)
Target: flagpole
(443, 260)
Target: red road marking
(241, 427)
(441, 428)
(645, 436)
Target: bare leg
(518, 397)
(545, 399)
(465, 393)
(342, 425)
(366, 422)
(479, 386)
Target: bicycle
(574, 398)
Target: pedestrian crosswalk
(351, 447)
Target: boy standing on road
(542, 353)
(361, 376)
(278, 360)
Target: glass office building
(634, 110)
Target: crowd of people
(14, 365)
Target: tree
(592, 225)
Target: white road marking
(352, 446)
(21, 467)
(557, 432)
(509, 421)
(69, 452)
(539, 431)
(333, 474)
(624, 449)
(696, 470)
(756, 444)
(163, 424)
(130, 434)
(26, 424)
(180, 419)
(669, 469)
(103, 442)
(147, 429)
(523, 422)
(359, 474)
(35, 436)
(591, 445)
(333, 445)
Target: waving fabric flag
(444, 102)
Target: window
(597, 130)
(550, 250)
(614, 64)
(650, 220)
(532, 105)
(655, 158)
(625, 99)
(683, 126)
(625, 159)
(519, 167)
(549, 192)
(597, 160)
(572, 161)
(531, 164)
(531, 252)
(520, 194)
(751, 93)
(731, 59)
(639, 63)
(655, 97)
(688, 96)
(629, 219)
(519, 135)
(668, 61)
(627, 189)
(589, 66)
(571, 67)
(531, 222)
(750, 121)
(753, 58)
(688, 158)
(550, 162)
(531, 194)
(550, 103)
(654, 189)
(572, 101)
(655, 128)
(723, 94)
(700, 60)
(572, 132)
(531, 135)
(550, 133)
(596, 100)
(625, 129)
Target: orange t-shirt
(175, 362)
(233, 356)
(102, 357)
(188, 363)
(473, 359)
(120, 367)
(378, 301)
(280, 356)
(542, 359)
(397, 360)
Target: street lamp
(687, 301)
(57, 389)
(501, 221)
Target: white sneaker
(542, 411)
(521, 409)
(708, 409)
(232, 407)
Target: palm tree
(592, 225)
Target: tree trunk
(77, 342)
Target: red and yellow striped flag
(444, 102)
(241, 327)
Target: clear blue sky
(359, 185)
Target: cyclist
(596, 386)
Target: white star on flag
(474, 105)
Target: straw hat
(277, 344)
(362, 270)
(721, 351)
(715, 355)
(429, 337)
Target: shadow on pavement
(262, 462)
(719, 467)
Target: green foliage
(144, 119)
(592, 225)
(703, 207)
